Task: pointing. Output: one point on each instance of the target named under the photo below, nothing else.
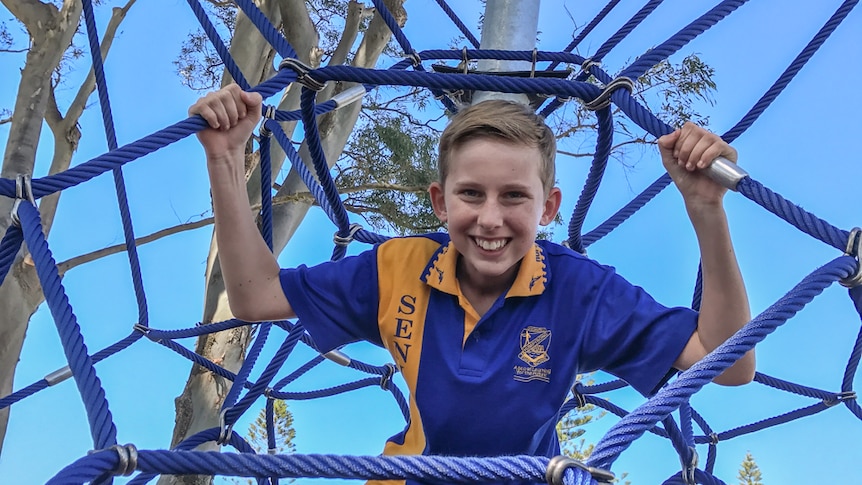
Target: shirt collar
(532, 278)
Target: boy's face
(493, 203)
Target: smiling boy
(488, 326)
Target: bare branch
(101, 253)
(87, 87)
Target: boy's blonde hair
(506, 121)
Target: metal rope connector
(58, 376)
(349, 96)
(345, 240)
(603, 100)
(839, 398)
(23, 191)
(414, 58)
(302, 72)
(578, 395)
(725, 173)
(386, 378)
(558, 465)
(128, 462)
(224, 430)
(689, 468)
(338, 357)
(854, 249)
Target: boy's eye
(515, 195)
(470, 193)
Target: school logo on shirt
(534, 342)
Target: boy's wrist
(700, 209)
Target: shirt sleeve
(632, 336)
(336, 301)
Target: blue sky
(800, 147)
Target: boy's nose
(490, 216)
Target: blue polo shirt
(489, 385)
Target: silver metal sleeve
(58, 376)
(338, 357)
(725, 173)
(348, 96)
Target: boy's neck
(483, 293)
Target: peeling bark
(51, 30)
(198, 406)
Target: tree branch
(101, 253)
(31, 13)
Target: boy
(488, 326)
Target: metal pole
(509, 25)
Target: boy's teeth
(491, 245)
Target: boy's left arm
(724, 305)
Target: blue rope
(119, 181)
(681, 38)
(44, 384)
(420, 468)
(218, 44)
(327, 196)
(233, 413)
(9, 247)
(792, 70)
(102, 427)
(245, 370)
(273, 36)
(620, 436)
(604, 145)
(458, 23)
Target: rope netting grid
(114, 459)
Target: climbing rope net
(654, 416)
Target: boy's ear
(438, 201)
(552, 206)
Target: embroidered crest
(534, 343)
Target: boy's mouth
(490, 244)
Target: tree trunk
(51, 31)
(198, 406)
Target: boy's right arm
(249, 269)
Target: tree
(283, 432)
(571, 429)
(749, 472)
(48, 52)
(383, 169)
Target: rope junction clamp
(144, 330)
(603, 100)
(588, 63)
(414, 58)
(558, 465)
(725, 173)
(854, 249)
(578, 395)
(302, 72)
(128, 458)
(386, 378)
(839, 398)
(23, 191)
(224, 430)
(345, 240)
(688, 469)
